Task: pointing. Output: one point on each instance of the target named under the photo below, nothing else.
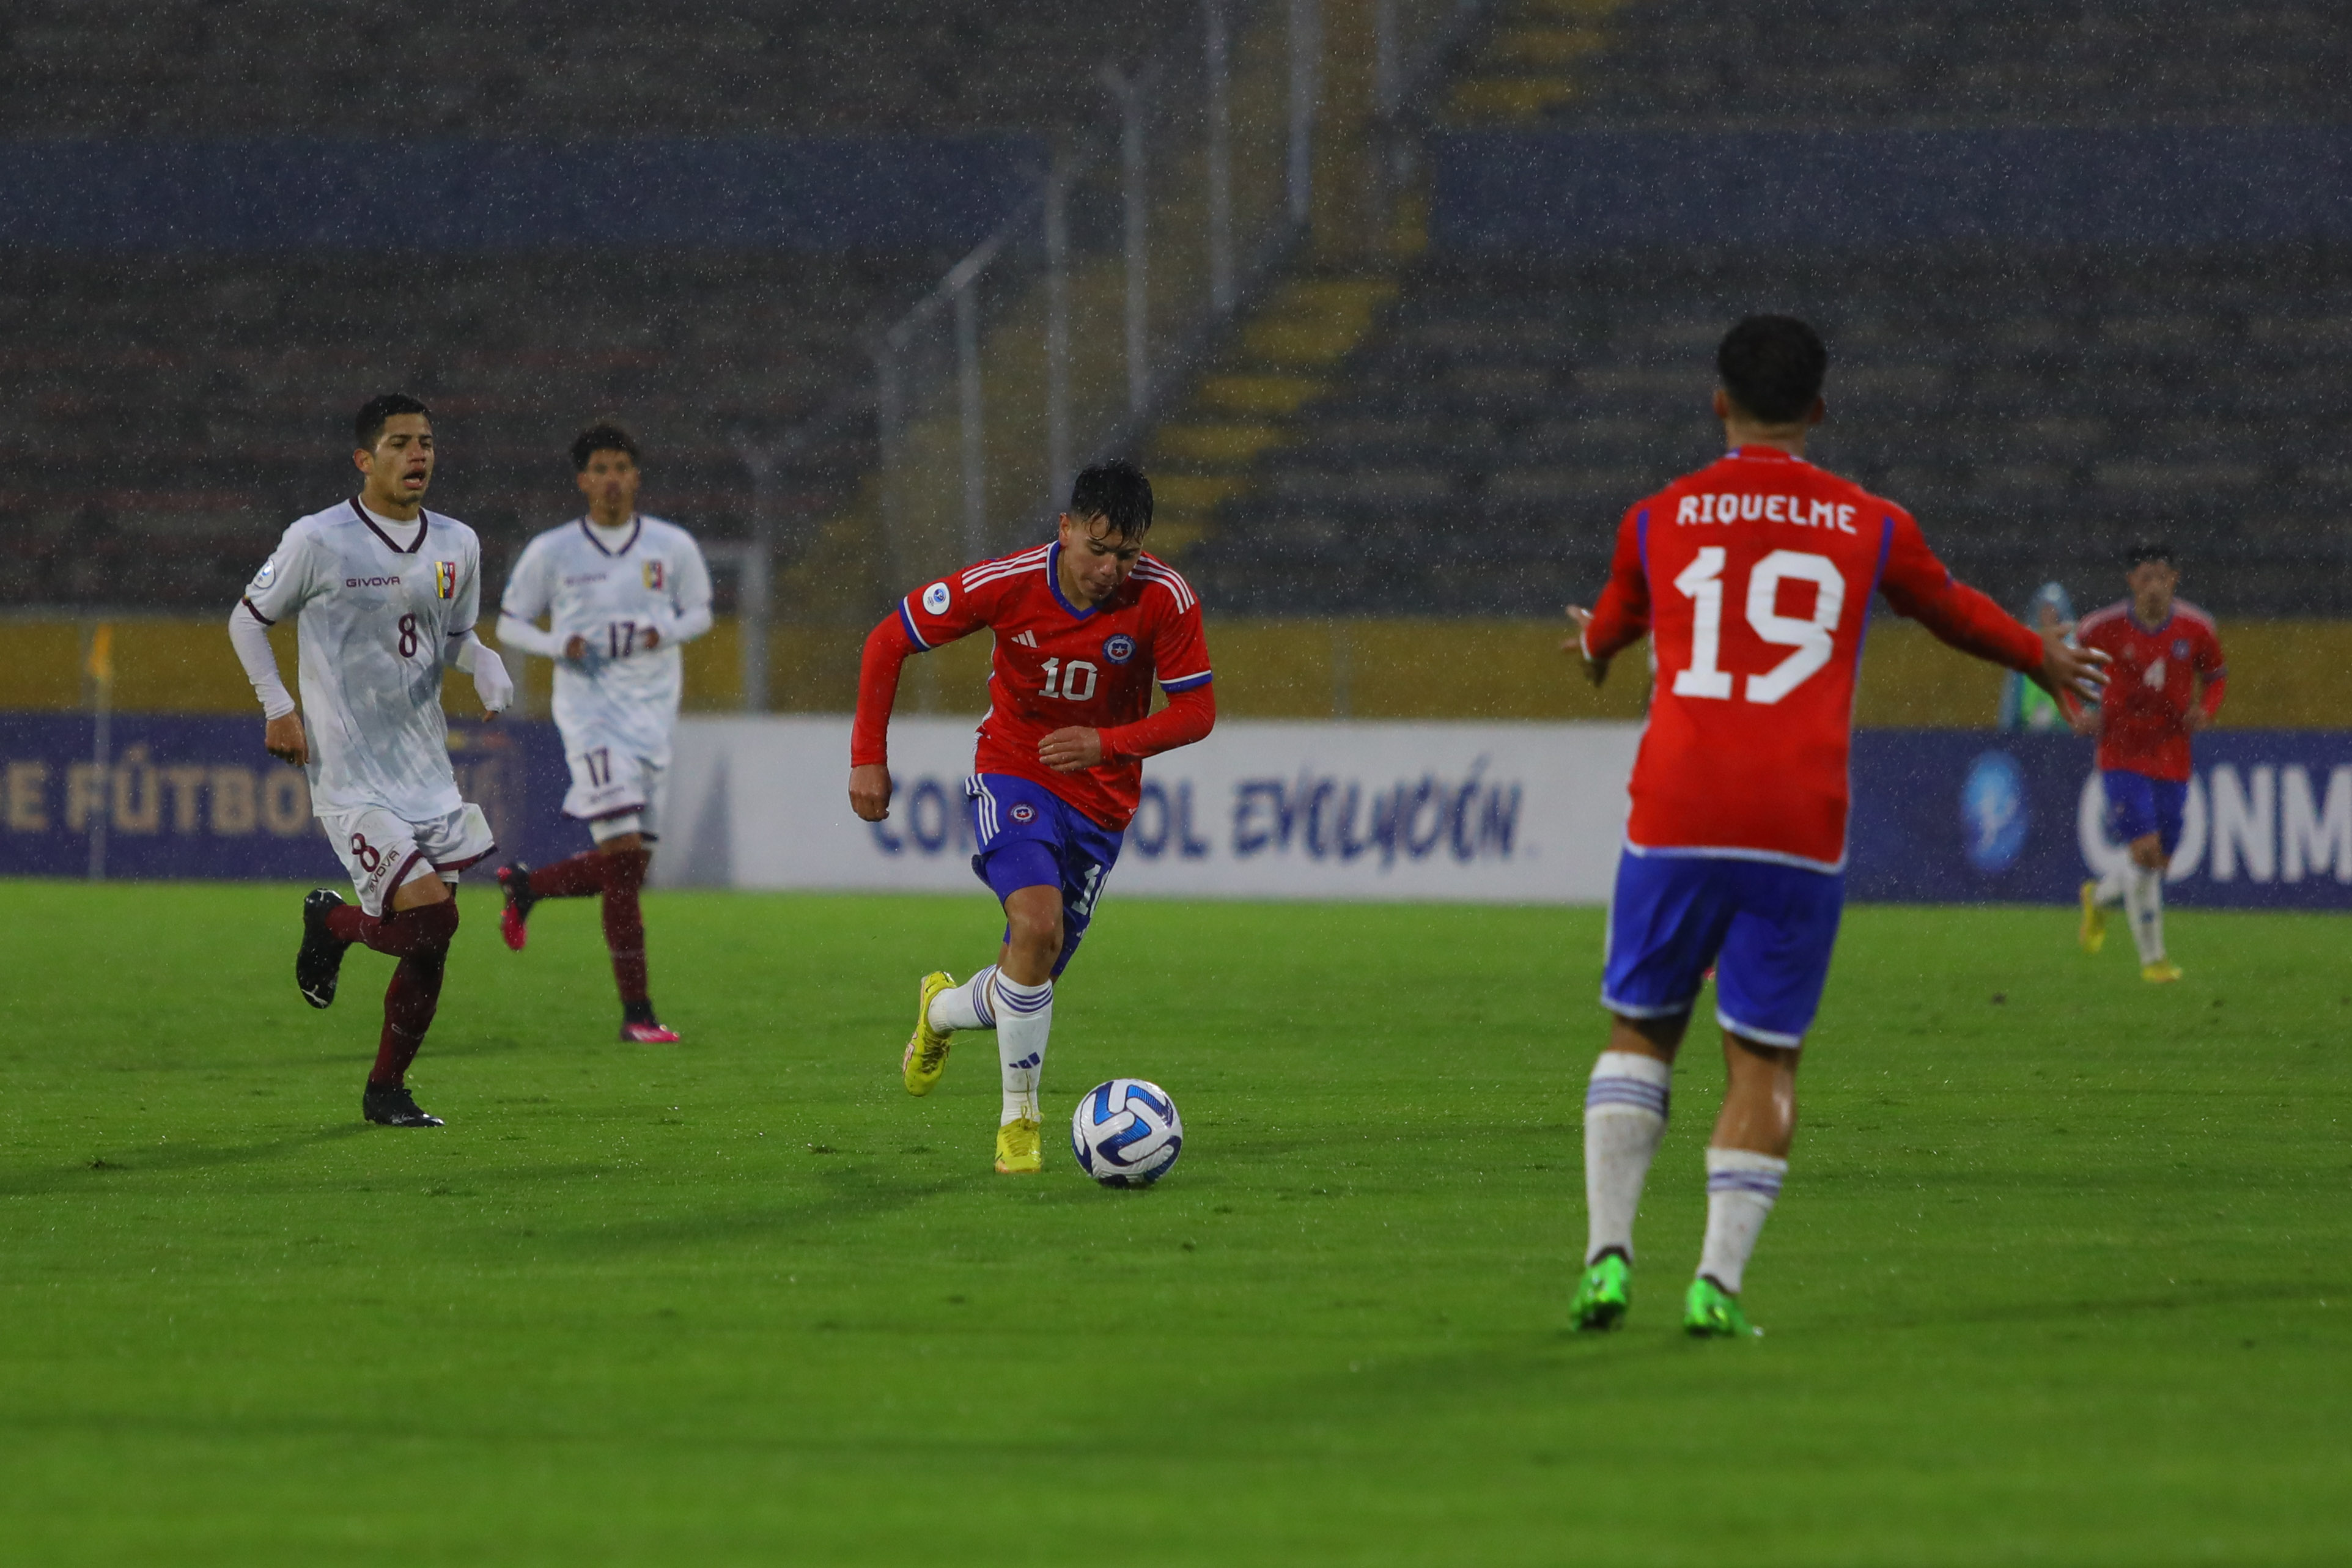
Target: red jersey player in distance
(2169, 679)
(1084, 625)
(1752, 578)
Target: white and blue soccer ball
(1126, 1133)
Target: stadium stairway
(2038, 405)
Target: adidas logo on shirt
(1026, 639)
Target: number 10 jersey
(1056, 665)
(1753, 579)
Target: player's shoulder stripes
(1151, 569)
(987, 571)
(2187, 611)
(2119, 609)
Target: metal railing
(1063, 335)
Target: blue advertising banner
(186, 795)
(1952, 816)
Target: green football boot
(1710, 1312)
(1604, 1293)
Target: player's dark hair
(603, 436)
(1116, 492)
(2147, 550)
(368, 428)
(1772, 367)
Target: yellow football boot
(2163, 972)
(2094, 919)
(1020, 1148)
(926, 1052)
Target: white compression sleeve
(251, 638)
(514, 631)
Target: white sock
(965, 1006)
(1741, 1185)
(1024, 1017)
(2144, 900)
(1624, 1117)
(2114, 885)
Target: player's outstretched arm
(1919, 586)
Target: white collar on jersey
(597, 531)
(377, 525)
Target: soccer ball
(1126, 1133)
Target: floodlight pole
(1058, 329)
(975, 454)
(1216, 51)
(1129, 93)
(1305, 43)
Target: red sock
(403, 933)
(581, 876)
(624, 924)
(408, 1007)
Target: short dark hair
(1772, 367)
(603, 436)
(2149, 551)
(1116, 492)
(368, 428)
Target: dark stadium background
(2083, 269)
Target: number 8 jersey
(1753, 578)
(379, 603)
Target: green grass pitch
(2060, 1276)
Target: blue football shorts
(1767, 927)
(1031, 837)
(2138, 805)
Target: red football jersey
(1057, 665)
(2152, 684)
(1753, 579)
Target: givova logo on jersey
(444, 580)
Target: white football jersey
(378, 603)
(621, 694)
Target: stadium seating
(113, 68)
(2035, 411)
(1942, 62)
(161, 419)
(165, 415)
(2035, 405)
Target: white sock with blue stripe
(965, 1006)
(1024, 1018)
(1741, 1186)
(1624, 1116)
(2144, 901)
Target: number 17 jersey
(1753, 579)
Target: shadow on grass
(166, 1159)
